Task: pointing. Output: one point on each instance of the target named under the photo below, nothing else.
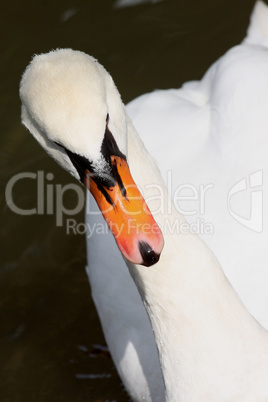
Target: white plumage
(209, 133)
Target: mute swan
(210, 347)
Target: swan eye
(58, 144)
(80, 163)
(108, 176)
(84, 167)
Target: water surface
(51, 343)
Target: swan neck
(197, 318)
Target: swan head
(72, 107)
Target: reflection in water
(52, 347)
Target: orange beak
(138, 236)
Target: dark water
(49, 328)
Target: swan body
(210, 347)
(208, 150)
(219, 130)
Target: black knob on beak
(148, 255)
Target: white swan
(218, 131)
(191, 116)
(210, 347)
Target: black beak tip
(149, 256)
